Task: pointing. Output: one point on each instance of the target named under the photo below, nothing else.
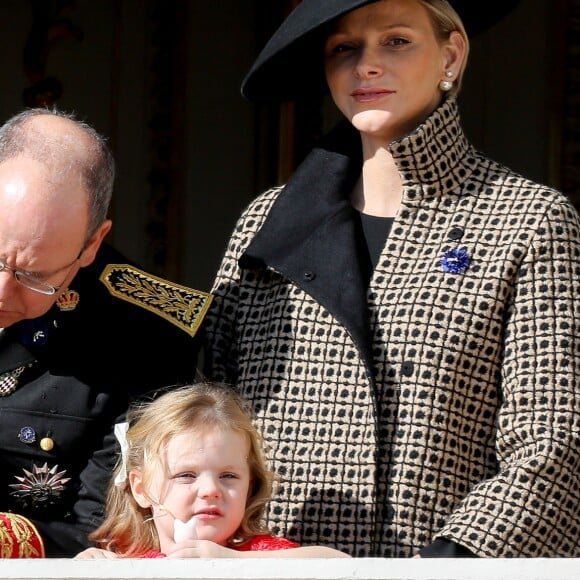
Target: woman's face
(383, 65)
(207, 478)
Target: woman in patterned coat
(404, 313)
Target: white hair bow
(121, 435)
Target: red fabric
(19, 538)
(256, 544)
(265, 543)
(153, 554)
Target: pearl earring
(446, 85)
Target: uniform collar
(14, 354)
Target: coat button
(455, 233)
(309, 275)
(407, 368)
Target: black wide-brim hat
(290, 65)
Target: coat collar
(436, 158)
(309, 235)
(433, 160)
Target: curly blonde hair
(128, 528)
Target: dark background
(161, 78)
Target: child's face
(207, 476)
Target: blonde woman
(403, 313)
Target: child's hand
(201, 549)
(95, 554)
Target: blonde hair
(128, 528)
(445, 21)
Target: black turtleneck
(373, 233)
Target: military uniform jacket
(439, 401)
(82, 367)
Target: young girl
(192, 483)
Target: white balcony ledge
(293, 569)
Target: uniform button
(456, 233)
(46, 444)
(309, 275)
(407, 368)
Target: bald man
(84, 332)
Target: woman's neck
(378, 190)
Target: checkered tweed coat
(431, 403)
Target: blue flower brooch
(455, 260)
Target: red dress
(256, 544)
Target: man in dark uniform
(84, 333)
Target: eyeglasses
(37, 284)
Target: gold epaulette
(185, 307)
